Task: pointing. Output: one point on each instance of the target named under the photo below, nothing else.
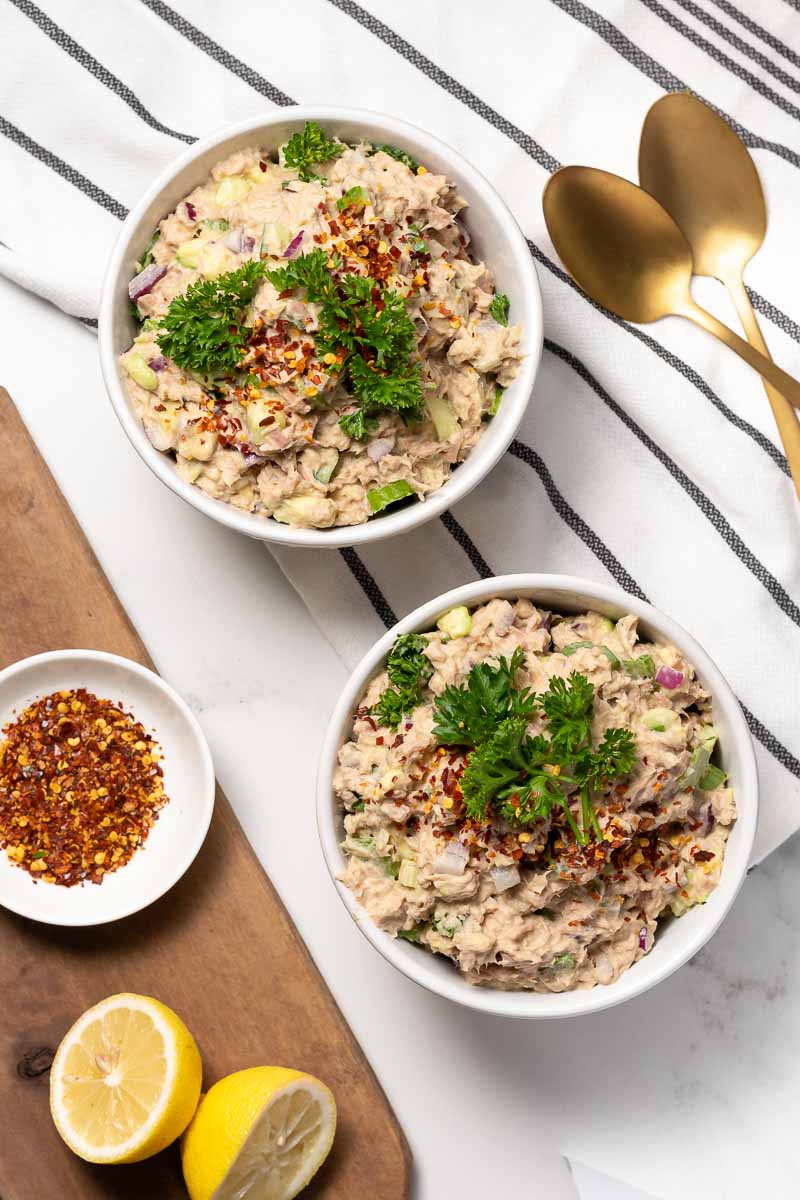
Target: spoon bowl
(628, 254)
(694, 164)
(618, 243)
(700, 171)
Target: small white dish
(678, 940)
(496, 238)
(182, 823)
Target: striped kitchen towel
(647, 456)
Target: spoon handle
(779, 379)
(785, 416)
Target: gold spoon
(696, 166)
(628, 254)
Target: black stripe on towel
(86, 60)
(369, 587)
(750, 25)
(63, 169)
(720, 57)
(660, 75)
(217, 52)
(741, 45)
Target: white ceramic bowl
(679, 939)
(496, 238)
(182, 824)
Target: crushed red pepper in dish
(81, 786)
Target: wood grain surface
(219, 948)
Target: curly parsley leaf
(203, 330)
(309, 271)
(401, 155)
(525, 777)
(308, 148)
(371, 326)
(409, 669)
(499, 308)
(469, 714)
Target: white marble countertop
(689, 1091)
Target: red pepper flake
(378, 741)
(262, 165)
(702, 855)
(80, 787)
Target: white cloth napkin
(648, 456)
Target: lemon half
(261, 1133)
(125, 1080)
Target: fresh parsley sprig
(409, 669)
(469, 714)
(500, 307)
(401, 155)
(371, 324)
(203, 330)
(308, 148)
(524, 777)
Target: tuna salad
(530, 794)
(316, 341)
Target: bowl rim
(481, 459)
(533, 1005)
(190, 847)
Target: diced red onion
(146, 280)
(293, 249)
(643, 938)
(546, 620)
(709, 821)
(248, 243)
(453, 860)
(251, 459)
(191, 211)
(379, 448)
(504, 878)
(668, 677)
(157, 364)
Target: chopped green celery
(412, 934)
(661, 719)
(610, 655)
(713, 778)
(641, 667)
(443, 417)
(390, 867)
(417, 244)
(389, 493)
(325, 470)
(261, 417)
(701, 757)
(606, 624)
(232, 189)
(360, 847)
(221, 224)
(407, 875)
(573, 646)
(498, 396)
(354, 196)
(150, 323)
(564, 960)
(357, 807)
(456, 623)
(189, 253)
(141, 373)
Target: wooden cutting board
(219, 948)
